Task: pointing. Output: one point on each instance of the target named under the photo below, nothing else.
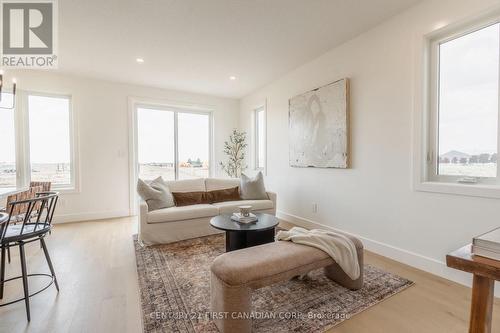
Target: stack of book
(487, 245)
(244, 219)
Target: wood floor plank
(95, 265)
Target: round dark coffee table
(241, 235)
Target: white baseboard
(413, 259)
(77, 217)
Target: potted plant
(235, 151)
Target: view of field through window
(49, 137)
(193, 145)
(49, 142)
(468, 104)
(8, 150)
(156, 144)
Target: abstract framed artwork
(319, 127)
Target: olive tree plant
(235, 152)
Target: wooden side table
(485, 271)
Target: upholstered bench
(235, 274)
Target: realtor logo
(28, 34)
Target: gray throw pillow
(156, 194)
(253, 188)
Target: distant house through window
(172, 143)
(193, 137)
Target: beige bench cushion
(263, 265)
(229, 207)
(260, 263)
(182, 213)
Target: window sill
(66, 190)
(4, 193)
(473, 190)
(8, 190)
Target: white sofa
(177, 223)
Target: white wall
(103, 125)
(374, 199)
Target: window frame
(425, 121)
(434, 84)
(4, 191)
(256, 132)
(22, 141)
(176, 109)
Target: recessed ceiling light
(140, 60)
(232, 78)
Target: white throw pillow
(253, 188)
(156, 194)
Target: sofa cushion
(187, 185)
(228, 194)
(190, 198)
(213, 184)
(182, 213)
(156, 194)
(253, 188)
(229, 207)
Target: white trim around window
(260, 134)
(173, 106)
(22, 142)
(425, 116)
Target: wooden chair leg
(25, 280)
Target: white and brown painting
(319, 127)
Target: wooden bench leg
(481, 304)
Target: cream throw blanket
(338, 246)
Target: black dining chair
(4, 219)
(37, 222)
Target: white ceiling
(195, 45)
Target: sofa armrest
(272, 196)
(143, 211)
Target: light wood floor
(95, 264)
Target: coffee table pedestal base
(236, 240)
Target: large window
(50, 139)
(260, 138)
(155, 143)
(7, 151)
(41, 137)
(172, 143)
(464, 108)
(193, 145)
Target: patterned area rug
(174, 282)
